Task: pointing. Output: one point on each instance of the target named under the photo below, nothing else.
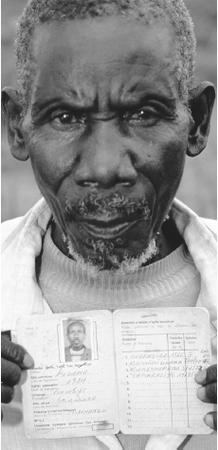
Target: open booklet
(98, 372)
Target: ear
(201, 101)
(12, 110)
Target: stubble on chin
(103, 256)
(125, 253)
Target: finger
(11, 373)
(211, 420)
(201, 245)
(208, 393)
(16, 353)
(7, 393)
(207, 376)
(181, 215)
(199, 239)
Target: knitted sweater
(69, 286)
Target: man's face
(76, 336)
(106, 132)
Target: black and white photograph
(77, 340)
(109, 208)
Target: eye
(67, 119)
(147, 116)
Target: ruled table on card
(158, 358)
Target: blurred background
(198, 186)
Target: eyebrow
(43, 105)
(141, 100)
(120, 102)
(78, 97)
(137, 91)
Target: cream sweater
(68, 286)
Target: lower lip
(107, 232)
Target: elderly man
(106, 109)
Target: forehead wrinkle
(81, 93)
(58, 76)
(154, 74)
(137, 87)
(100, 76)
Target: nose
(104, 160)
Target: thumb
(182, 215)
(198, 238)
(201, 245)
(15, 353)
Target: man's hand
(208, 392)
(202, 247)
(14, 359)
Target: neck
(77, 348)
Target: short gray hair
(45, 11)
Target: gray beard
(105, 254)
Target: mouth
(108, 229)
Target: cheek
(49, 170)
(172, 163)
(161, 155)
(47, 165)
(52, 156)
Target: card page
(158, 352)
(69, 392)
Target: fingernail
(201, 393)
(200, 377)
(28, 361)
(208, 419)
